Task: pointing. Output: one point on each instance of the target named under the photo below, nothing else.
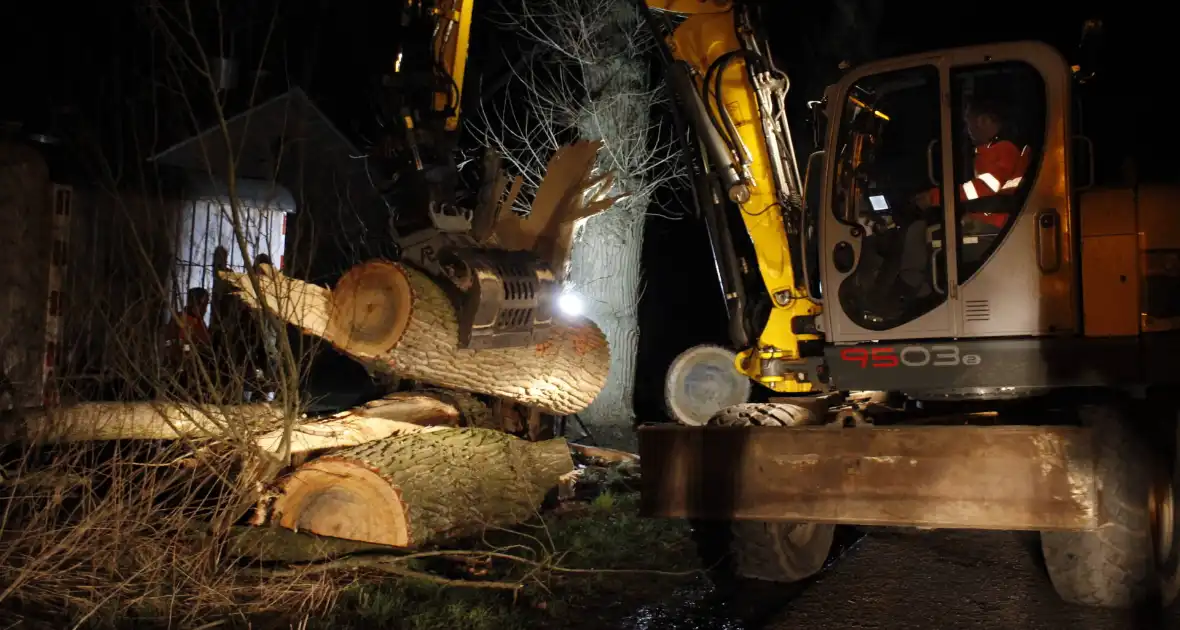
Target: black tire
(761, 415)
(771, 551)
(1114, 566)
(779, 552)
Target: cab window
(889, 126)
(886, 167)
(998, 142)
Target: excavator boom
(733, 95)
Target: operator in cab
(999, 165)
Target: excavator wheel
(1133, 558)
(701, 382)
(763, 550)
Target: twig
(387, 565)
(383, 561)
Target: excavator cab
(986, 254)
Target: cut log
(396, 414)
(426, 408)
(157, 420)
(396, 319)
(473, 412)
(599, 456)
(420, 487)
(393, 415)
(275, 544)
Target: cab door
(885, 272)
(1013, 255)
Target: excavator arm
(419, 110)
(505, 271)
(734, 97)
(450, 42)
(432, 52)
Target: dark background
(92, 60)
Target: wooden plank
(993, 477)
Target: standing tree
(585, 73)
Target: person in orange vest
(192, 327)
(999, 168)
(188, 336)
(999, 165)
(188, 332)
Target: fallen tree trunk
(415, 488)
(275, 544)
(393, 415)
(599, 456)
(397, 319)
(154, 420)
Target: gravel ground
(962, 580)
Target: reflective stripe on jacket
(999, 169)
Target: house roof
(265, 137)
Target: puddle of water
(747, 605)
(686, 609)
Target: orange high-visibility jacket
(192, 329)
(999, 168)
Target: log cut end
(419, 487)
(371, 307)
(345, 499)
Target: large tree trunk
(156, 420)
(396, 319)
(606, 261)
(262, 424)
(412, 489)
(605, 268)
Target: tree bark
(158, 420)
(599, 456)
(605, 263)
(398, 320)
(393, 415)
(605, 269)
(275, 544)
(421, 487)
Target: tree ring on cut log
(340, 498)
(371, 307)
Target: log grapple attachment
(507, 297)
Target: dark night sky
(61, 52)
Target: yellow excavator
(917, 339)
(951, 325)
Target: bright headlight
(570, 304)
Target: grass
(416, 606)
(606, 534)
(112, 536)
